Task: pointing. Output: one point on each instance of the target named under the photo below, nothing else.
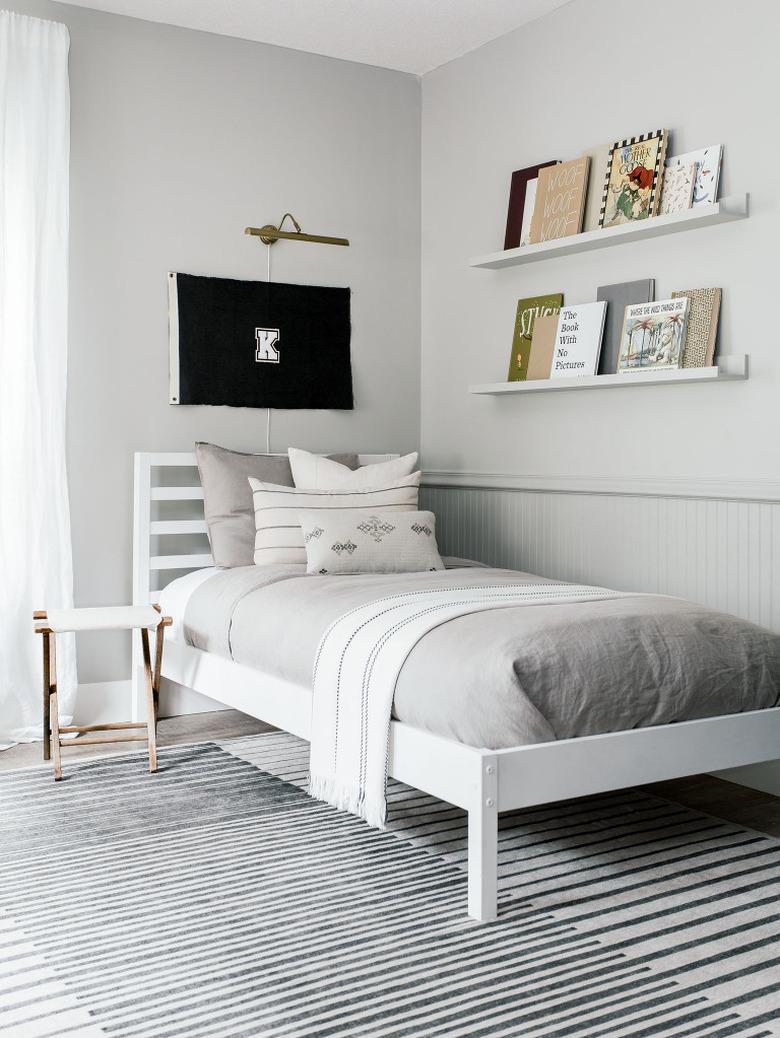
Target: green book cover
(527, 312)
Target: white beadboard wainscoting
(722, 550)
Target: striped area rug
(216, 899)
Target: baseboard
(176, 700)
(98, 702)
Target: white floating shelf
(728, 369)
(734, 207)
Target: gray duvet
(508, 676)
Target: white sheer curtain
(35, 552)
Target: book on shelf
(677, 189)
(617, 298)
(527, 312)
(517, 202)
(578, 340)
(560, 200)
(632, 185)
(542, 346)
(599, 157)
(702, 330)
(528, 211)
(653, 335)
(708, 161)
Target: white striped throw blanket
(355, 673)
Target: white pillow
(313, 472)
(280, 510)
(356, 541)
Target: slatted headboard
(169, 531)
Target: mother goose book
(632, 188)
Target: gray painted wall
(179, 140)
(550, 90)
(553, 89)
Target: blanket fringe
(348, 798)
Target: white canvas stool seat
(142, 618)
(103, 618)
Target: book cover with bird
(705, 186)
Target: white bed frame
(482, 782)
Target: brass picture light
(269, 234)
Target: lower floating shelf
(728, 369)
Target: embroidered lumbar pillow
(313, 472)
(360, 541)
(279, 512)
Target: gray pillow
(227, 498)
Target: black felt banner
(259, 344)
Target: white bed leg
(483, 845)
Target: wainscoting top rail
(714, 489)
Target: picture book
(632, 185)
(705, 187)
(527, 312)
(653, 335)
(702, 331)
(560, 200)
(578, 341)
(542, 346)
(617, 298)
(517, 202)
(599, 158)
(677, 189)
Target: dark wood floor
(738, 804)
(714, 796)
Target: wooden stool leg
(150, 713)
(158, 668)
(46, 698)
(54, 709)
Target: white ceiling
(409, 35)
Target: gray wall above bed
(180, 139)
